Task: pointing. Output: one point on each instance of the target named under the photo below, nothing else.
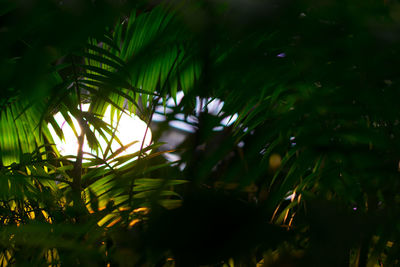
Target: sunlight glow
(130, 128)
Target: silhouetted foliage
(307, 175)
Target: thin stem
(77, 171)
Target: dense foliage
(307, 175)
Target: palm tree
(40, 185)
(310, 166)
